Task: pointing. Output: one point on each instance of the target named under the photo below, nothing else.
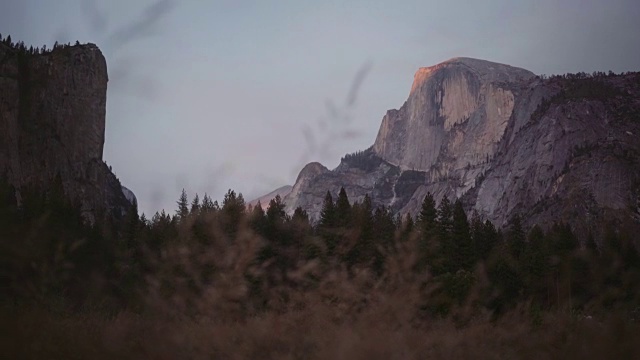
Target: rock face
(463, 104)
(52, 123)
(504, 141)
(130, 196)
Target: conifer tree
(516, 237)
(484, 237)
(233, 208)
(427, 228)
(535, 264)
(445, 218)
(327, 223)
(461, 236)
(428, 213)
(233, 203)
(183, 205)
(195, 205)
(442, 260)
(408, 223)
(207, 204)
(383, 230)
(383, 226)
(276, 210)
(258, 219)
(257, 210)
(328, 212)
(300, 215)
(363, 249)
(343, 208)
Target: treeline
(23, 49)
(48, 251)
(263, 260)
(589, 87)
(583, 75)
(366, 160)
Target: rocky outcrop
(130, 196)
(576, 156)
(462, 105)
(502, 140)
(52, 123)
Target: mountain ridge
(493, 130)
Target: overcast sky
(212, 95)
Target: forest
(242, 281)
(227, 280)
(23, 50)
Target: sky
(217, 95)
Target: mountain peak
(488, 71)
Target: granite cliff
(505, 142)
(52, 124)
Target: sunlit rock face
(52, 123)
(462, 105)
(503, 141)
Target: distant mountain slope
(503, 140)
(265, 199)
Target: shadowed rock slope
(52, 124)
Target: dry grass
(311, 334)
(347, 315)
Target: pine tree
(233, 203)
(327, 223)
(445, 218)
(132, 226)
(408, 223)
(328, 212)
(300, 215)
(233, 208)
(343, 208)
(257, 210)
(276, 210)
(427, 225)
(484, 237)
(516, 237)
(183, 206)
(207, 204)
(461, 236)
(195, 205)
(535, 264)
(364, 247)
(443, 259)
(258, 219)
(384, 230)
(383, 226)
(428, 213)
